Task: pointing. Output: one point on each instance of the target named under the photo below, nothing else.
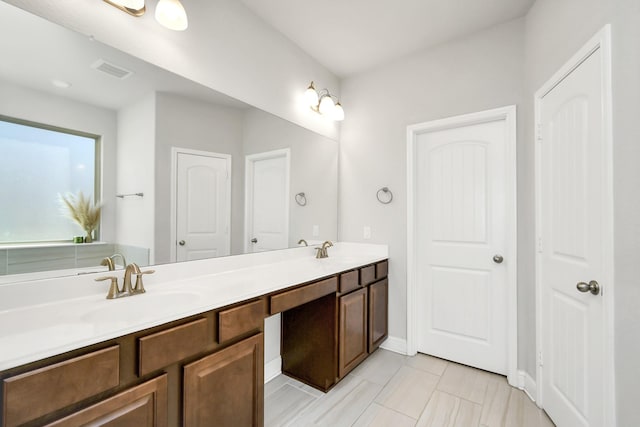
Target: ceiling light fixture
(171, 14)
(132, 7)
(322, 103)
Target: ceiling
(352, 36)
(346, 36)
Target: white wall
(226, 47)
(314, 171)
(135, 174)
(554, 31)
(504, 65)
(196, 125)
(463, 76)
(28, 104)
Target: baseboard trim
(395, 344)
(527, 384)
(272, 369)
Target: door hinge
(540, 360)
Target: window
(38, 163)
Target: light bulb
(171, 14)
(338, 113)
(311, 96)
(326, 106)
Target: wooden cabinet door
(141, 406)
(378, 313)
(353, 330)
(226, 387)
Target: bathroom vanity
(189, 351)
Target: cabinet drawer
(163, 348)
(367, 274)
(382, 269)
(239, 320)
(349, 281)
(293, 298)
(140, 406)
(36, 393)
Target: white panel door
(202, 207)
(267, 201)
(460, 226)
(571, 179)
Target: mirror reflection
(181, 171)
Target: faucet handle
(113, 287)
(139, 287)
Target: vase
(88, 238)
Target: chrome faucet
(301, 241)
(321, 252)
(127, 289)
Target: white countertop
(43, 318)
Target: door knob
(592, 286)
(498, 259)
(254, 240)
(181, 242)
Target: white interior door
(203, 206)
(573, 232)
(462, 251)
(267, 201)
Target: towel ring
(387, 197)
(301, 199)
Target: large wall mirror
(182, 171)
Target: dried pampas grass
(80, 209)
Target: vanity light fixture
(171, 14)
(322, 103)
(132, 7)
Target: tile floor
(389, 389)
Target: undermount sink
(138, 308)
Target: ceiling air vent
(111, 69)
